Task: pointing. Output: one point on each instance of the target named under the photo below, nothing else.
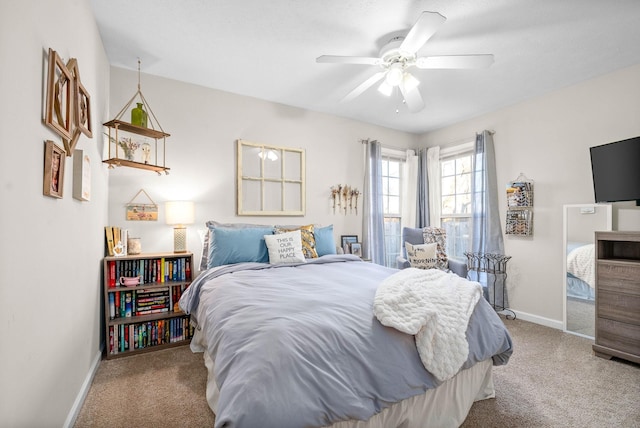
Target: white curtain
(422, 208)
(373, 214)
(487, 231)
(409, 189)
(433, 175)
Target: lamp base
(179, 239)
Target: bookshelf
(146, 317)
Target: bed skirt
(434, 408)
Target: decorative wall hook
(345, 199)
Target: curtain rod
(364, 141)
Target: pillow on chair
(422, 256)
(438, 236)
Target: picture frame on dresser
(346, 241)
(356, 249)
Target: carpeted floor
(552, 380)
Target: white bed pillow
(422, 256)
(285, 247)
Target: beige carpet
(552, 380)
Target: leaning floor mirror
(581, 221)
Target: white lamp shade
(394, 75)
(409, 82)
(385, 88)
(179, 212)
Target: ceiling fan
(400, 54)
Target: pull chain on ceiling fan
(400, 54)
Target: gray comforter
(298, 345)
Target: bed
(297, 344)
(581, 271)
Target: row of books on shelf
(150, 270)
(130, 337)
(127, 304)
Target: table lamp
(179, 214)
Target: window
(455, 170)
(392, 203)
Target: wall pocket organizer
(520, 207)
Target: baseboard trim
(84, 390)
(548, 322)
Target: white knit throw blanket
(435, 306)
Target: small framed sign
(137, 211)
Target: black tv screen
(616, 171)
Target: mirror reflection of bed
(580, 224)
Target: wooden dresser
(618, 295)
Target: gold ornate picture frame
(54, 161)
(60, 97)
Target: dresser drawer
(619, 277)
(619, 307)
(618, 335)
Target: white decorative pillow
(285, 247)
(422, 256)
(438, 235)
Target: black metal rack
(495, 268)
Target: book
(109, 236)
(112, 306)
(112, 273)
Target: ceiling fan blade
(349, 59)
(455, 61)
(425, 27)
(364, 86)
(412, 98)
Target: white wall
(50, 249)
(548, 139)
(204, 125)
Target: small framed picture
(346, 241)
(356, 249)
(54, 160)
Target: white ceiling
(267, 49)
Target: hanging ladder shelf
(116, 125)
(124, 148)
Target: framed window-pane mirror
(270, 180)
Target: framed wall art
(60, 97)
(81, 101)
(270, 180)
(141, 211)
(54, 160)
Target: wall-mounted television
(616, 171)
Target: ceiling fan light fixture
(385, 88)
(409, 82)
(394, 74)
